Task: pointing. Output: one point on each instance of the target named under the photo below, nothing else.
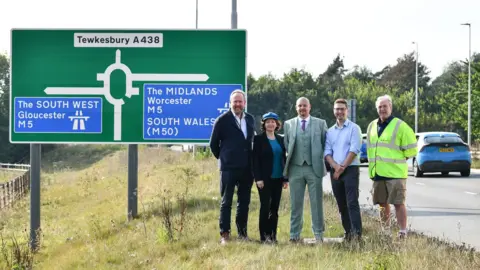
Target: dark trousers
(243, 180)
(270, 196)
(346, 193)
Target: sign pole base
(35, 163)
(132, 181)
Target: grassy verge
(84, 210)
(6, 176)
(476, 163)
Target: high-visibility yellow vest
(387, 154)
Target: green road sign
(122, 86)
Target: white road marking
(471, 193)
(421, 184)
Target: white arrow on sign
(75, 90)
(117, 103)
(170, 77)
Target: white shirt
(243, 123)
(307, 120)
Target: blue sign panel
(58, 115)
(183, 111)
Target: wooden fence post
(2, 196)
(14, 189)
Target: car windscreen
(438, 139)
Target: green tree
(4, 86)
(8, 152)
(455, 102)
(402, 75)
(366, 94)
(362, 74)
(332, 78)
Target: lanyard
(238, 122)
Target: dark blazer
(263, 157)
(228, 143)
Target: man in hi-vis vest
(390, 142)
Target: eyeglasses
(339, 109)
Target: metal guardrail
(14, 189)
(14, 167)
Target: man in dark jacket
(231, 142)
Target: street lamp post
(196, 14)
(234, 14)
(196, 27)
(416, 87)
(469, 85)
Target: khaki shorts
(389, 191)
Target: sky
(282, 34)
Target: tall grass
(6, 176)
(84, 223)
(476, 163)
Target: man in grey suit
(305, 137)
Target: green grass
(84, 222)
(6, 176)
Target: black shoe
(351, 236)
(243, 238)
(347, 237)
(267, 241)
(274, 240)
(295, 241)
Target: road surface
(447, 207)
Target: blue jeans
(346, 193)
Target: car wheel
(465, 173)
(416, 171)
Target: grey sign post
(35, 155)
(132, 181)
(352, 110)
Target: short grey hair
(238, 91)
(381, 98)
(303, 99)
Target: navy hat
(269, 115)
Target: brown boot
(225, 238)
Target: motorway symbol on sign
(58, 115)
(174, 111)
(225, 108)
(79, 119)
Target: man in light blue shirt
(342, 148)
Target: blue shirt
(277, 159)
(342, 140)
(381, 126)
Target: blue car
(363, 149)
(443, 152)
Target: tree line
(442, 101)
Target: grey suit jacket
(318, 128)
